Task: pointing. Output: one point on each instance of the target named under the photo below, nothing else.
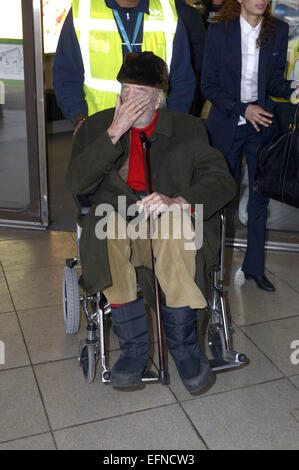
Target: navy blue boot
(191, 362)
(131, 327)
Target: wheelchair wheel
(216, 340)
(88, 358)
(71, 300)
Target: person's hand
(295, 95)
(78, 125)
(125, 115)
(157, 203)
(258, 116)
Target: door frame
(36, 215)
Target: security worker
(97, 34)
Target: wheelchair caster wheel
(107, 375)
(88, 362)
(242, 358)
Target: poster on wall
(11, 44)
(54, 14)
(288, 10)
(11, 60)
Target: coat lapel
(263, 59)
(236, 50)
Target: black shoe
(261, 281)
(191, 362)
(131, 327)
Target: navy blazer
(221, 79)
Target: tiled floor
(45, 403)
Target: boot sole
(126, 383)
(200, 386)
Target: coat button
(108, 168)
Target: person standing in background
(211, 9)
(244, 64)
(196, 32)
(97, 34)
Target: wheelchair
(97, 311)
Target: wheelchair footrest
(220, 364)
(149, 376)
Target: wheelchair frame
(97, 311)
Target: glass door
(23, 169)
(282, 222)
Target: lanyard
(123, 31)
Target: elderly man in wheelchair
(190, 184)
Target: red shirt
(136, 178)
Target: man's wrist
(113, 134)
(182, 203)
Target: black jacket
(195, 30)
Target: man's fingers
(156, 201)
(118, 103)
(134, 106)
(129, 111)
(131, 103)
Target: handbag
(277, 175)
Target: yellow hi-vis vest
(101, 45)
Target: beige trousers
(174, 251)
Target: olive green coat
(182, 164)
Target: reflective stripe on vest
(101, 45)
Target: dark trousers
(248, 140)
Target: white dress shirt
(250, 63)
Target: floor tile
(21, 409)
(295, 380)
(285, 266)
(6, 303)
(9, 233)
(70, 401)
(37, 252)
(160, 428)
(259, 369)
(15, 350)
(233, 259)
(38, 287)
(41, 442)
(248, 304)
(275, 340)
(45, 335)
(261, 417)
